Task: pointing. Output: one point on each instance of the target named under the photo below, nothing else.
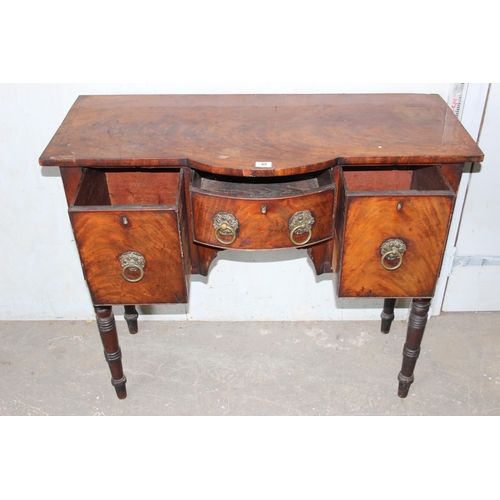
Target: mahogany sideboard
(157, 185)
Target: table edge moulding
(157, 185)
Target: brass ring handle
(132, 267)
(392, 249)
(392, 252)
(225, 224)
(299, 230)
(132, 261)
(301, 223)
(224, 228)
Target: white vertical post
(470, 113)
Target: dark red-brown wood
(263, 209)
(387, 315)
(131, 316)
(119, 212)
(228, 134)
(413, 205)
(112, 352)
(411, 350)
(148, 173)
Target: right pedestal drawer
(391, 230)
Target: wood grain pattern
(148, 174)
(93, 189)
(143, 187)
(104, 232)
(102, 238)
(422, 224)
(71, 178)
(228, 134)
(263, 209)
(369, 179)
(258, 231)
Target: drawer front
(420, 222)
(264, 223)
(111, 243)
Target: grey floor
(261, 368)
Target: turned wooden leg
(411, 350)
(387, 315)
(109, 336)
(131, 316)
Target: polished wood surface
(263, 209)
(228, 134)
(148, 174)
(109, 221)
(411, 350)
(414, 206)
(112, 353)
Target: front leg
(112, 352)
(411, 350)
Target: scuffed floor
(252, 368)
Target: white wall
(40, 274)
(473, 283)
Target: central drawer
(262, 213)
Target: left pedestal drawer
(130, 230)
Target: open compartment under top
(411, 178)
(142, 187)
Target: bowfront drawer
(392, 230)
(262, 213)
(129, 229)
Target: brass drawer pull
(133, 262)
(392, 249)
(300, 223)
(225, 224)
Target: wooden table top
(229, 134)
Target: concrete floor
(261, 368)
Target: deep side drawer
(131, 237)
(391, 229)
